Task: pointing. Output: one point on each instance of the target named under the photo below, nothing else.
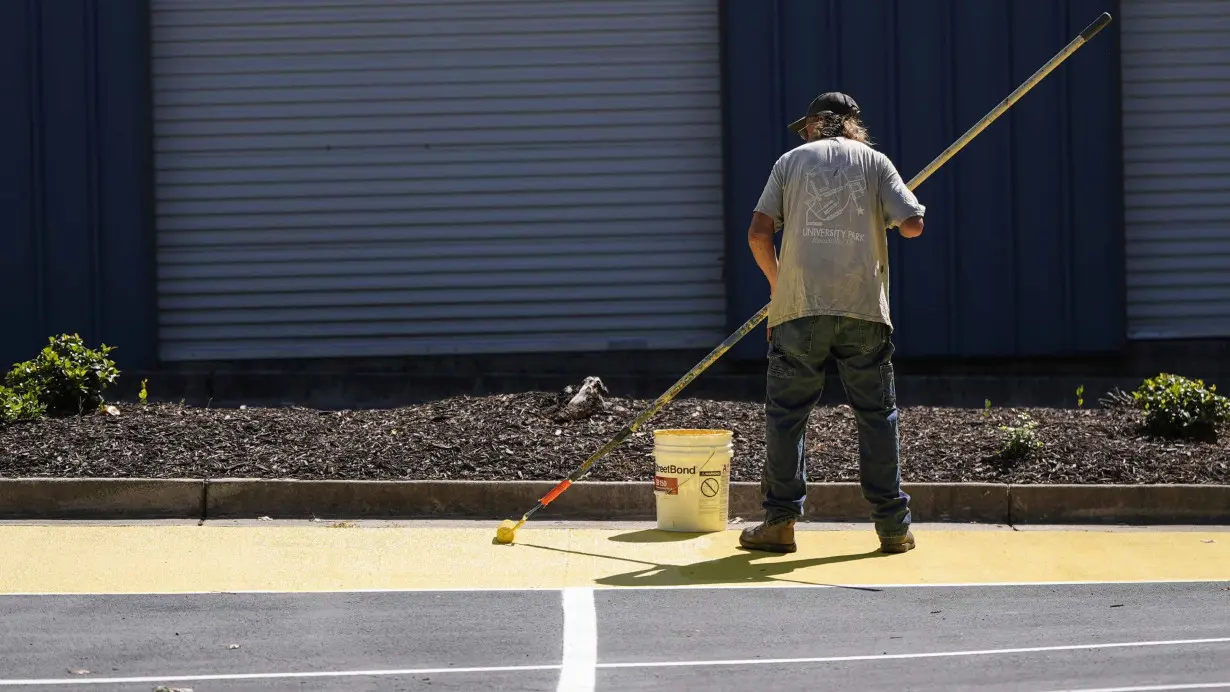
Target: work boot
(774, 536)
(897, 544)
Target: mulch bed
(511, 437)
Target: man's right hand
(912, 227)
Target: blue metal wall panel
(76, 253)
(1023, 251)
(20, 294)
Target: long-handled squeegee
(508, 529)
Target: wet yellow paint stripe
(178, 559)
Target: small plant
(1020, 440)
(143, 395)
(67, 377)
(1080, 396)
(986, 408)
(18, 405)
(1176, 406)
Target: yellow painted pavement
(179, 558)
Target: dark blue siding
(1023, 251)
(76, 253)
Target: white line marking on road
(645, 664)
(889, 657)
(270, 676)
(579, 671)
(513, 589)
(1157, 688)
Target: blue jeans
(863, 350)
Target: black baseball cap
(834, 101)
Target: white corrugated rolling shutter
(1176, 115)
(385, 177)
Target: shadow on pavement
(745, 567)
(655, 536)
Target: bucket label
(712, 500)
(666, 484)
(678, 470)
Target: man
(834, 198)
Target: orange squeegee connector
(556, 492)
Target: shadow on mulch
(515, 436)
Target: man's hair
(833, 125)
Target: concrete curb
(101, 498)
(286, 499)
(104, 498)
(231, 499)
(1125, 504)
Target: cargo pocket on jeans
(778, 367)
(888, 385)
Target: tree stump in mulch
(582, 403)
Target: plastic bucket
(692, 479)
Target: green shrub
(1020, 440)
(1176, 406)
(67, 377)
(19, 405)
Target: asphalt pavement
(918, 638)
(622, 617)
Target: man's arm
(760, 239)
(901, 207)
(766, 216)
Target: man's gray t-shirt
(834, 200)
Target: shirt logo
(833, 236)
(830, 196)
